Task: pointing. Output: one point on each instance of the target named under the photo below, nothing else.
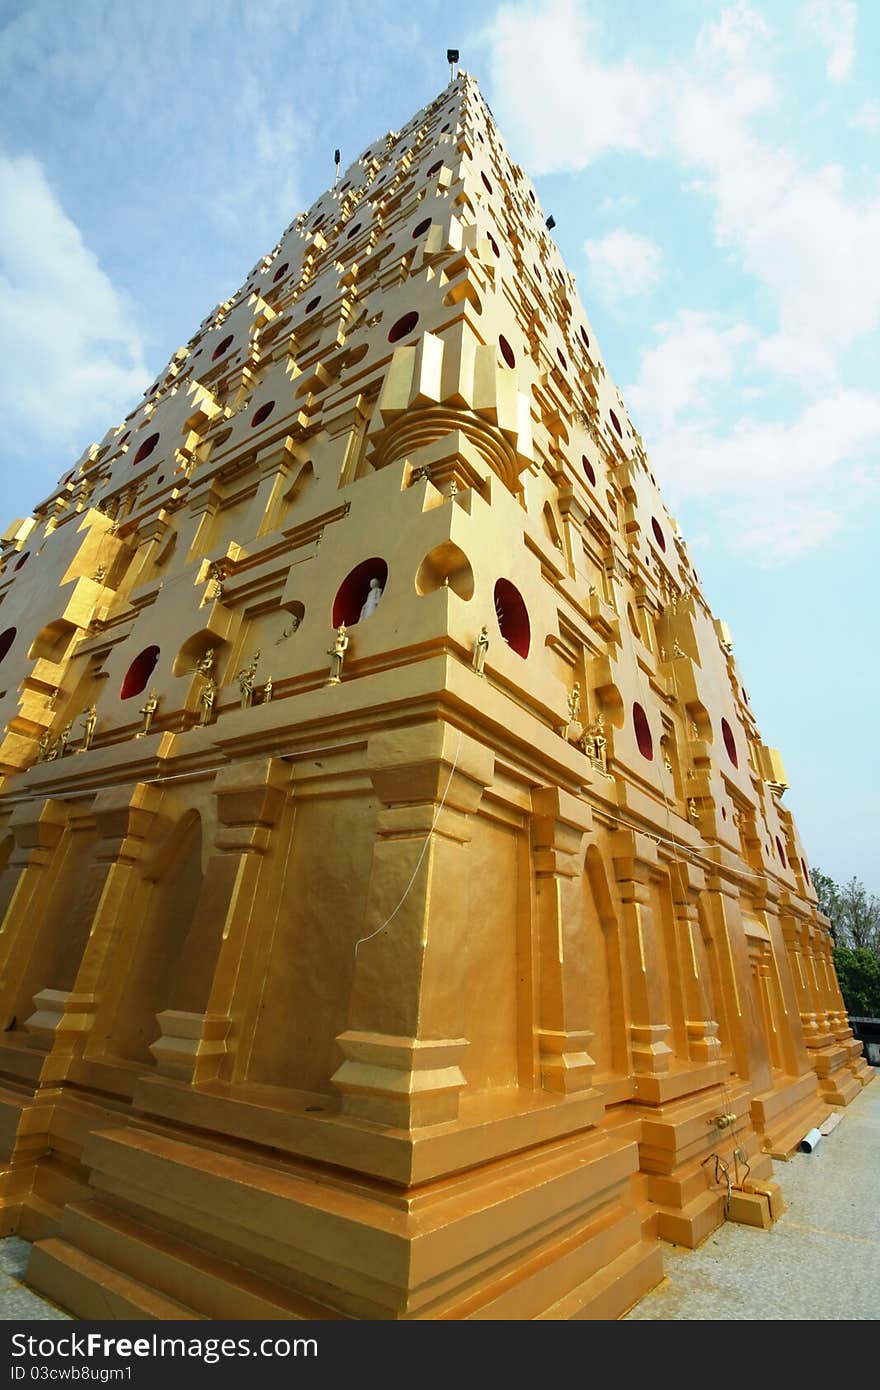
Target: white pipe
(809, 1141)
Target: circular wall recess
(139, 673)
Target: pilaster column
(635, 856)
(196, 1028)
(747, 1034)
(837, 1017)
(791, 930)
(405, 1039)
(559, 822)
(124, 817)
(702, 1029)
(37, 828)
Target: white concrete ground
(821, 1261)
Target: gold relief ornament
(693, 811)
(481, 646)
(337, 655)
(149, 712)
(216, 575)
(207, 696)
(89, 721)
(205, 666)
(267, 691)
(595, 744)
(245, 680)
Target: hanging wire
(388, 920)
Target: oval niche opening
(139, 673)
(351, 596)
(513, 617)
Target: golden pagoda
(401, 917)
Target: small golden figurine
(149, 713)
(337, 655)
(245, 680)
(207, 696)
(595, 744)
(215, 579)
(693, 811)
(481, 646)
(289, 630)
(267, 691)
(574, 703)
(64, 739)
(89, 720)
(44, 746)
(205, 666)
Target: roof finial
(452, 60)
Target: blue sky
(713, 172)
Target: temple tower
(399, 905)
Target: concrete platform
(821, 1261)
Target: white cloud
(73, 359)
(798, 231)
(833, 22)
(867, 117)
(621, 202)
(695, 353)
(734, 34)
(803, 235)
(771, 540)
(578, 108)
(622, 264)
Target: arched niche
(606, 1000)
(551, 526)
(52, 642)
(710, 969)
(7, 875)
(159, 949)
(699, 718)
(352, 592)
(446, 566)
(194, 649)
(62, 916)
(304, 479)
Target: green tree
(826, 891)
(859, 974)
(853, 911)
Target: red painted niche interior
(139, 673)
(513, 617)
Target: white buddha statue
(371, 603)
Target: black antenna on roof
(452, 60)
(337, 157)
(550, 223)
